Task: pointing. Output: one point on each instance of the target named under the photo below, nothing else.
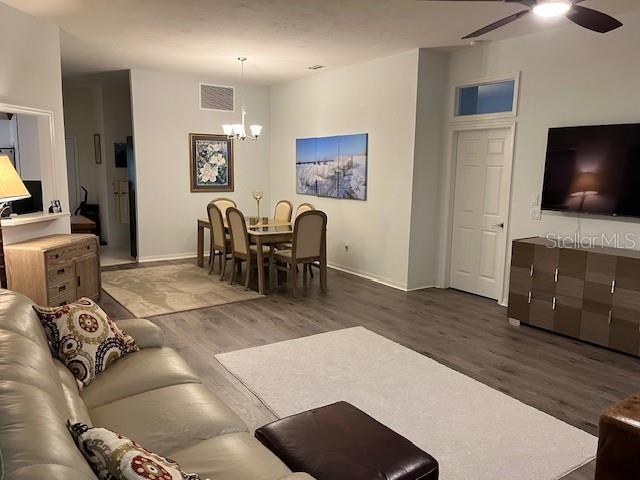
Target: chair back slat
(283, 211)
(309, 234)
(238, 231)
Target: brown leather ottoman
(341, 442)
(619, 441)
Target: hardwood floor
(568, 379)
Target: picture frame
(333, 167)
(210, 163)
(97, 148)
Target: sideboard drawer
(62, 289)
(57, 274)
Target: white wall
(7, 132)
(165, 109)
(30, 76)
(378, 98)
(32, 144)
(425, 209)
(570, 76)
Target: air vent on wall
(216, 97)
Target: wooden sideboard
(55, 270)
(592, 294)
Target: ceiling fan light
(553, 8)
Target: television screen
(593, 169)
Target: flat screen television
(594, 169)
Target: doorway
(73, 175)
(482, 159)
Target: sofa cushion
(231, 457)
(116, 457)
(33, 432)
(169, 418)
(84, 338)
(17, 316)
(138, 372)
(146, 334)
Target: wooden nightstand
(55, 270)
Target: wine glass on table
(257, 195)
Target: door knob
(498, 225)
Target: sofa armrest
(145, 333)
(298, 476)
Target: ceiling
(281, 38)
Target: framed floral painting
(211, 163)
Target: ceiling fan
(583, 16)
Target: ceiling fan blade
(498, 24)
(592, 19)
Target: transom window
(486, 98)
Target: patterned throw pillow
(83, 337)
(115, 457)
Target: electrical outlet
(536, 214)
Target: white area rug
(474, 431)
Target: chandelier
(238, 131)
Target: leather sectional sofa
(151, 396)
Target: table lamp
(585, 184)
(11, 186)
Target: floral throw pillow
(84, 338)
(115, 457)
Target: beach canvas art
(334, 167)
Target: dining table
(261, 231)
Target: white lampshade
(238, 129)
(255, 130)
(11, 186)
(227, 129)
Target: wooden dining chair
(309, 245)
(223, 204)
(220, 240)
(304, 207)
(283, 211)
(241, 249)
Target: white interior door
(480, 209)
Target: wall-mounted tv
(594, 169)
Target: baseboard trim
(365, 275)
(368, 276)
(373, 278)
(423, 287)
(160, 258)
